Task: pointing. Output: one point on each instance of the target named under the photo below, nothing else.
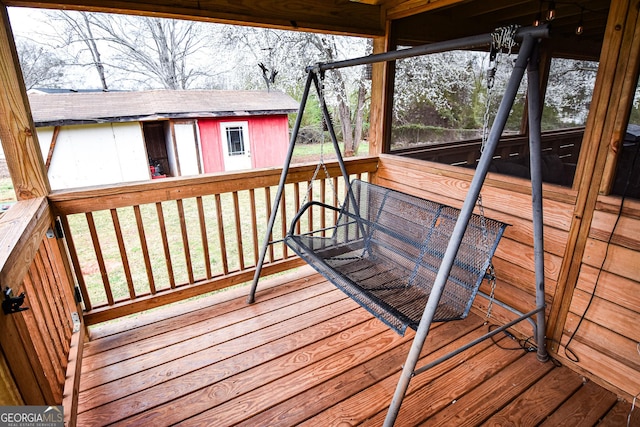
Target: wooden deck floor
(306, 355)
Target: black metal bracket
(12, 304)
(77, 294)
(58, 229)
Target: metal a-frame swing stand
(527, 59)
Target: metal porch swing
(411, 261)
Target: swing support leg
(278, 196)
(502, 115)
(312, 77)
(527, 58)
(535, 150)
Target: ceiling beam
(331, 16)
(397, 9)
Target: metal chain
(490, 269)
(501, 38)
(321, 163)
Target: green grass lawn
(310, 152)
(6, 190)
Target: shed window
(235, 141)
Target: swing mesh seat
(386, 248)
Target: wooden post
(609, 104)
(629, 70)
(381, 73)
(17, 132)
(9, 393)
(376, 116)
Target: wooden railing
(40, 342)
(141, 245)
(564, 144)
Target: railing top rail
(551, 135)
(137, 193)
(21, 230)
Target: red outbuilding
(93, 137)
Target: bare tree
(77, 29)
(158, 51)
(40, 66)
(288, 53)
(351, 115)
(136, 51)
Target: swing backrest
(413, 233)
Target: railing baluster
(165, 245)
(335, 199)
(98, 251)
(76, 263)
(185, 240)
(58, 282)
(323, 199)
(236, 210)
(48, 282)
(203, 235)
(223, 245)
(283, 218)
(296, 196)
(254, 225)
(145, 249)
(123, 253)
(267, 201)
(36, 323)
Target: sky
(24, 20)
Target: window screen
(235, 141)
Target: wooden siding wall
(268, 135)
(508, 200)
(99, 154)
(607, 337)
(563, 145)
(37, 342)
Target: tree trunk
(357, 134)
(95, 53)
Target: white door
(235, 145)
(187, 147)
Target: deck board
(161, 351)
(304, 354)
(543, 398)
(477, 405)
(583, 408)
(363, 381)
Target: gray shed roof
(103, 107)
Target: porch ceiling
(473, 17)
(339, 16)
(415, 22)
